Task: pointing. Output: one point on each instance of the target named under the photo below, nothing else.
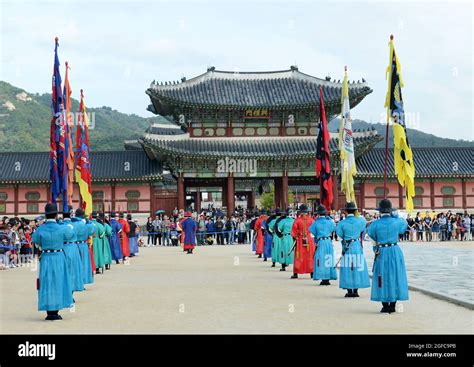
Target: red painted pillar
(181, 195)
(432, 194)
(16, 199)
(152, 197)
(400, 196)
(113, 198)
(278, 192)
(197, 202)
(362, 195)
(230, 195)
(284, 191)
(251, 199)
(464, 195)
(335, 192)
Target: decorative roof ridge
(171, 125)
(182, 136)
(212, 73)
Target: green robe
(276, 240)
(98, 244)
(284, 256)
(107, 251)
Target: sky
(115, 49)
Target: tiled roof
(437, 162)
(275, 89)
(258, 147)
(110, 165)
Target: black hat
(278, 211)
(50, 209)
(112, 214)
(385, 206)
(304, 208)
(80, 213)
(350, 206)
(94, 214)
(121, 215)
(321, 210)
(101, 215)
(129, 216)
(66, 214)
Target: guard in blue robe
(389, 276)
(73, 256)
(268, 236)
(354, 273)
(54, 287)
(83, 231)
(115, 246)
(322, 228)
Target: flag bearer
(83, 232)
(389, 279)
(322, 228)
(73, 256)
(54, 287)
(354, 273)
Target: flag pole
(386, 136)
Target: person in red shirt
(303, 262)
(124, 236)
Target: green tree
(267, 199)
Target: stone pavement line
(219, 289)
(436, 259)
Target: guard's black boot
(53, 315)
(349, 293)
(117, 262)
(311, 275)
(391, 307)
(324, 282)
(260, 256)
(97, 271)
(385, 308)
(264, 259)
(294, 276)
(355, 293)
(283, 266)
(273, 265)
(107, 266)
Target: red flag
(323, 167)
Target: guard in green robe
(284, 229)
(107, 239)
(98, 244)
(275, 240)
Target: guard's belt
(323, 238)
(47, 251)
(69, 242)
(387, 244)
(286, 234)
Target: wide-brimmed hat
(278, 211)
(385, 206)
(94, 214)
(321, 210)
(303, 208)
(350, 206)
(79, 213)
(50, 208)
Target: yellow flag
(346, 144)
(402, 154)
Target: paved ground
(219, 289)
(446, 269)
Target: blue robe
(389, 279)
(189, 226)
(83, 231)
(268, 239)
(324, 255)
(73, 256)
(354, 273)
(55, 292)
(115, 246)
